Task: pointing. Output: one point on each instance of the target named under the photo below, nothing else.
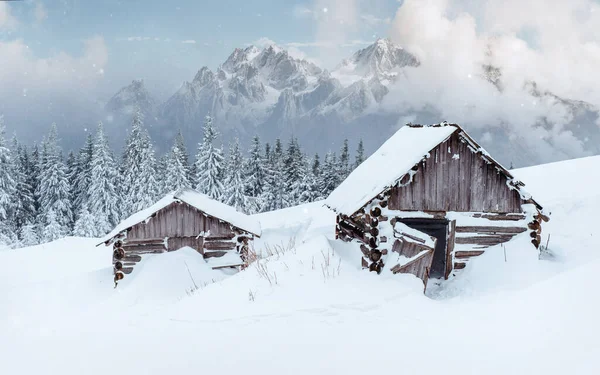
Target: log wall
(171, 228)
(454, 178)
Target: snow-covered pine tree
(140, 188)
(177, 169)
(28, 235)
(83, 175)
(255, 176)
(8, 190)
(344, 161)
(274, 194)
(209, 163)
(104, 197)
(308, 186)
(53, 230)
(85, 226)
(54, 186)
(24, 196)
(330, 176)
(360, 154)
(293, 171)
(161, 178)
(317, 178)
(235, 194)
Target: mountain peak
(379, 59)
(134, 95)
(204, 76)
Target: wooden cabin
(217, 231)
(438, 182)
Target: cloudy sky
(166, 42)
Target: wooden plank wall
(463, 183)
(178, 220)
(176, 243)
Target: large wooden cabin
(437, 181)
(183, 219)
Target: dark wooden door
(437, 228)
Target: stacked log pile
(366, 227)
(536, 228)
(126, 254)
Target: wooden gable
(455, 178)
(178, 219)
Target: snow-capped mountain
(131, 97)
(267, 91)
(380, 60)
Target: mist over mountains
(369, 95)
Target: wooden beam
(483, 240)
(459, 265)
(467, 254)
(219, 245)
(491, 230)
(144, 241)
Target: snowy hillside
(306, 307)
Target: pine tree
(140, 188)
(209, 163)
(54, 186)
(53, 230)
(308, 186)
(85, 226)
(28, 235)
(293, 172)
(235, 195)
(24, 196)
(330, 176)
(360, 154)
(255, 170)
(274, 194)
(177, 169)
(83, 175)
(104, 197)
(8, 190)
(344, 161)
(8, 193)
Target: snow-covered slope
(308, 308)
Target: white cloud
(7, 20)
(453, 45)
(188, 41)
(39, 12)
(22, 71)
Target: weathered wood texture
(454, 178)
(490, 230)
(176, 243)
(450, 247)
(467, 254)
(178, 220)
(418, 267)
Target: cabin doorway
(437, 228)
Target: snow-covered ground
(308, 308)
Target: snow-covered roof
(395, 158)
(388, 164)
(197, 200)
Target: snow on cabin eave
(205, 205)
(403, 146)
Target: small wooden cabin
(437, 181)
(180, 219)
